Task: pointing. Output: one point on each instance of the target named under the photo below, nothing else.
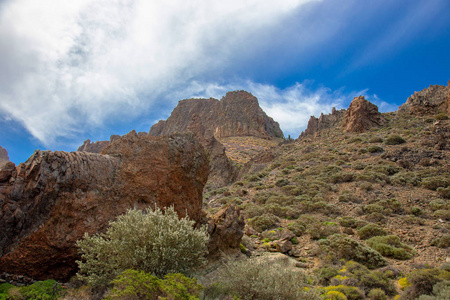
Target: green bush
(435, 182)
(390, 246)
(422, 282)
(256, 278)
(377, 294)
(377, 280)
(281, 182)
(375, 149)
(350, 292)
(45, 290)
(373, 208)
(444, 192)
(442, 242)
(343, 247)
(264, 222)
(394, 140)
(375, 139)
(371, 230)
(441, 291)
(297, 228)
(443, 214)
(322, 230)
(132, 284)
(441, 116)
(151, 241)
(348, 222)
(325, 273)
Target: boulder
(52, 199)
(361, 116)
(226, 228)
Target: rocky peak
(361, 115)
(4, 158)
(432, 100)
(98, 146)
(316, 125)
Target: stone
(53, 198)
(327, 121)
(432, 100)
(226, 229)
(361, 116)
(7, 171)
(98, 146)
(283, 246)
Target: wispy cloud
(68, 66)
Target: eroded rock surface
(4, 158)
(431, 100)
(361, 115)
(315, 125)
(51, 200)
(98, 146)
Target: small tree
(152, 241)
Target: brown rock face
(52, 199)
(431, 100)
(98, 146)
(236, 114)
(316, 125)
(226, 228)
(361, 116)
(4, 158)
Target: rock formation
(316, 125)
(4, 158)
(431, 100)
(98, 146)
(361, 115)
(236, 114)
(51, 200)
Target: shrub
(371, 230)
(348, 222)
(443, 242)
(390, 246)
(322, 230)
(441, 116)
(281, 182)
(350, 292)
(342, 246)
(256, 278)
(151, 241)
(48, 289)
(444, 192)
(441, 291)
(342, 177)
(377, 294)
(377, 280)
(422, 282)
(297, 228)
(349, 197)
(417, 211)
(132, 284)
(394, 140)
(373, 208)
(435, 182)
(443, 214)
(325, 273)
(375, 149)
(264, 222)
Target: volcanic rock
(361, 116)
(52, 199)
(226, 229)
(315, 125)
(431, 100)
(4, 158)
(98, 146)
(236, 114)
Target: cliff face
(316, 125)
(4, 158)
(51, 200)
(236, 114)
(98, 146)
(361, 115)
(431, 100)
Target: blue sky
(73, 70)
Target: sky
(87, 69)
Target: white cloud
(70, 65)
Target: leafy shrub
(264, 222)
(417, 211)
(443, 214)
(334, 295)
(350, 292)
(325, 273)
(390, 246)
(282, 182)
(441, 116)
(371, 230)
(444, 192)
(377, 294)
(348, 222)
(322, 230)
(348, 196)
(394, 140)
(152, 241)
(255, 278)
(422, 282)
(48, 290)
(375, 149)
(342, 177)
(435, 182)
(375, 139)
(377, 280)
(441, 290)
(343, 247)
(132, 284)
(443, 242)
(297, 228)
(373, 208)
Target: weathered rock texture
(431, 100)
(327, 121)
(361, 115)
(236, 114)
(98, 146)
(226, 229)
(4, 158)
(51, 200)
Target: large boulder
(51, 200)
(361, 115)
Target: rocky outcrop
(51, 200)
(226, 229)
(4, 158)
(431, 100)
(98, 146)
(236, 114)
(361, 115)
(315, 125)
